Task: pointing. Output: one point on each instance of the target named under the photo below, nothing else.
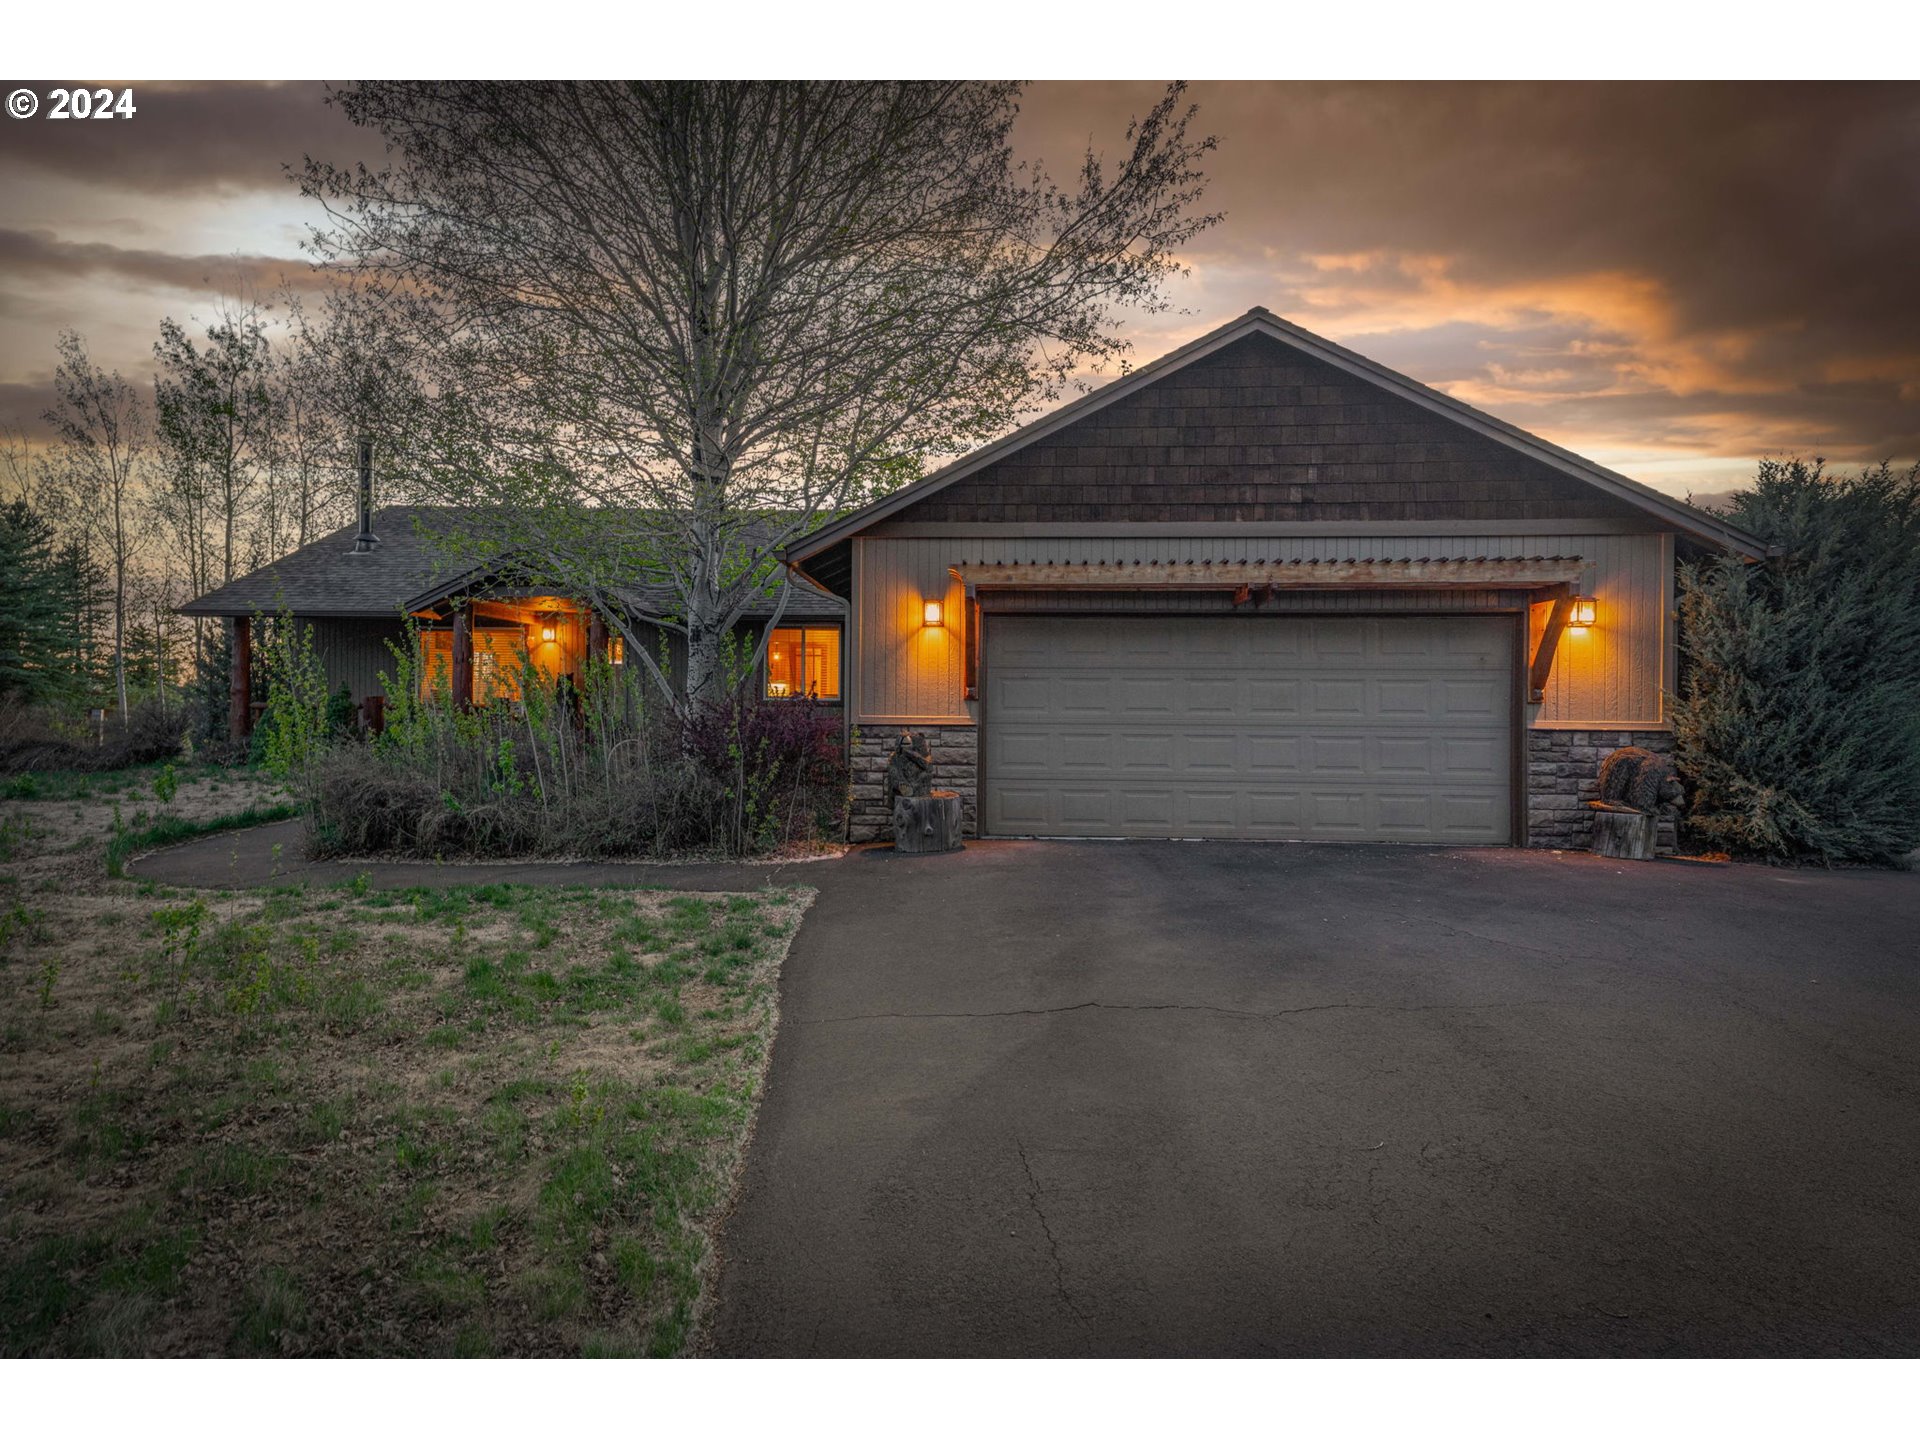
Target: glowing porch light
(930, 614)
(1582, 615)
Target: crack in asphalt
(1209, 1009)
(1053, 1245)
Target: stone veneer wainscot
(1563, 774)
(956, 766)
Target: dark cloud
(1666, 276)
(1741, 254)
(215, 136)
(40, 255)
(22, 403)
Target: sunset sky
(1671, 279)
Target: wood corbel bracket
(1542, 663)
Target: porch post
(463, 656)
(596, 636)
(240, 683)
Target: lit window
(616, 650)
(804, 662)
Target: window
(804, 663)
(616, 649)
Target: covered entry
(1251, 726)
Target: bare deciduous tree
(102, 429)
(669, 327)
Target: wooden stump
(926, 824)
(1623, 834)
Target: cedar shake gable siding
(1258, 432)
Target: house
(1264, 588)
(361, 589)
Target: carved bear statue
(1636, 777)
(910, 771)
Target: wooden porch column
(463, 656)
(596, 636)
(240, 681)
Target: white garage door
(1257, 727)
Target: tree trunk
(120, 635)
(706, 678)
(926, 824)
(1621, 834)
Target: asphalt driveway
(1065, 1099)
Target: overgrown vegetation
(1798, 724)
(478, 1120)
(603, 769)
(38, 738)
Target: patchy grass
(492, 1120)
(46, 819)
(130, 784)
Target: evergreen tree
(1799, 719)
(82, 638)
(31, 621)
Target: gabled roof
(326, 579)
(1673, 513)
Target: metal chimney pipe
(366, 541)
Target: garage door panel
(1213, 755)
(1146, 753)
(1269, 699)
(1276, 642)
(1342, 755)
(1020, 697)
(1338, 641)
(1146, 809)
(1087, 805)
(1275, 814)
(1403, 698)
(1211, 696)
(1148, 695)
(1012, 752)
(1315, 728)
(1215, 811)
(1403, 814)
(1270, 754)
(1463, 757)
(1404, 757)
(1479, 699)
(1336, 697)
(1089, 695)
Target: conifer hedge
(1798, 721)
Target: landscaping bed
(486, 1120)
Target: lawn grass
(489, 1120)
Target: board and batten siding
(354, 652)
(1612, 675)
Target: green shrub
(1798, 721)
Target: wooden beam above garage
(1533, 572)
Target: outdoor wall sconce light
(930, 614)
(546, 632)
(1582, 615)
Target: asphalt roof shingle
(328, 578)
